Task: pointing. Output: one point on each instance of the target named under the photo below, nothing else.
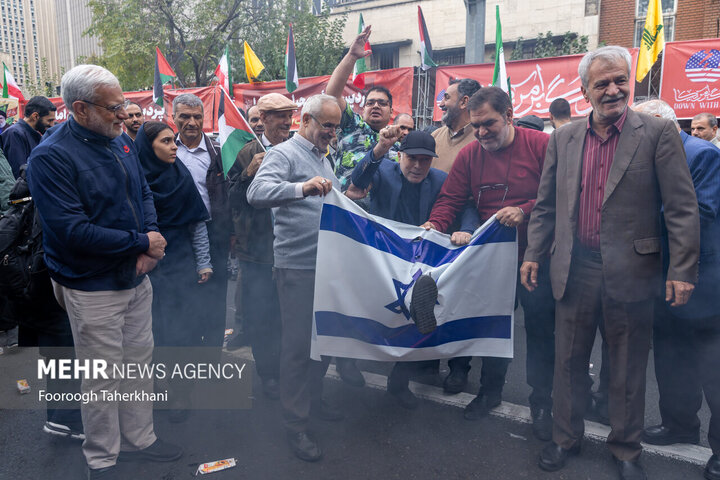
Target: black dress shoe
(456, 381)
(271, 388)
(542, 424)
(405, 398)
(324, 411)
(630, 470)
(107, 473)
(422, 304)
(553, 456)
(481, 405)
(661, 435)
(304, 447)
(349, 372)
(712, 469)
(159, 451)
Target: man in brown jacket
(606, 182)
(254, 243)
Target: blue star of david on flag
(401, 290)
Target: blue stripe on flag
(334, 324)
(380, 237)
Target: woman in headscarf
(181, 215)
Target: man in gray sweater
(292, 180)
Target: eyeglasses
(376, 101)
(488, 188)
(328, 127)
(114, 109)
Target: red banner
(535, 83)
(690, 77)
(398, 80)
(154, 112)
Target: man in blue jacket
(100, 238)
(403, 191)
(686, 337)
(19, 139)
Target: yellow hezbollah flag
(652, 41)
(253, 65)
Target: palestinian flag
(500, 76)
(358, 77)
(163, 74)
(9, 86)
(234, 131)
(222, 72)
(291, 73)
(426, 60)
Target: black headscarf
(177, 201)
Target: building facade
(28, 40)
(73, 19)
(622, 21)
(395, 40)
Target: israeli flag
(366, 269)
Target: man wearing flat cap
(254, 242)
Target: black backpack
(21, 250)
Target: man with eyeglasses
(292, 179)
(254, 243)
(101, 237)
(501, 173)
(359, 134)
(135, 119)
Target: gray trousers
(300, 377)
(116, 326)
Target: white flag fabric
(366, 269)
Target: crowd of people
(617, 218)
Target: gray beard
(449, 117)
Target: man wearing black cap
(403, 191)
(531, 121)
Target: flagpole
(251, 130)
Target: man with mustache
(255, 121)
(501, 172)
(254, 242)
(19, 140)
(456, 132)
(135, 119)
(608, 181)
(201, 155)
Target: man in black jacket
(201, 155)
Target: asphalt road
(377, 440)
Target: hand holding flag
(360, 49)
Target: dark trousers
(300, 377)
(687, 362)
(628, 329)
(213, 293)
(261, 314)
(492, 372)
(539, 313)
(56, 344)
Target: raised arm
(340, 75)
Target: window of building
(384, 57)
(450, 56)
(669, 8)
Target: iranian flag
(426, 60)
(9, 86)
(163, 74)
(291, 73)
(222, 72)
(500, 76)
(358, 77)
(234, 131)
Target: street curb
(694, 454)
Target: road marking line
(695, 454)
